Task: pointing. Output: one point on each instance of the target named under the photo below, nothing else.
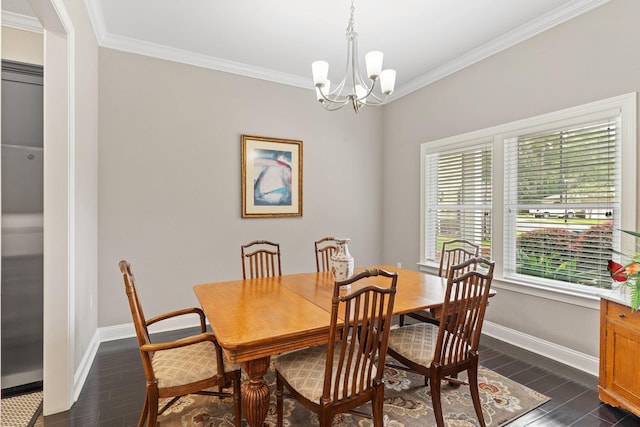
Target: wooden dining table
(254, 319)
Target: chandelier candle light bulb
(320, 71)
(353, 89)
(387, 81)
(373, 60)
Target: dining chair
(442, 352)
(453, 252)
(261, 258)
(173, 369)
(348, 371)
(325, 247)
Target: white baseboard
(111, 333)
(127, 330)
(567, 356)
(586, 363)
(82, 372)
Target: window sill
(587, 299)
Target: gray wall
(169, 178)
(169, 172)
(591, 57)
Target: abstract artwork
(271, 177)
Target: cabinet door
(622, 350)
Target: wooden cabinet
(619, 382)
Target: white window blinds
(458, 198)
(562, 192)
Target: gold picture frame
(271, 177)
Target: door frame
(59, 202)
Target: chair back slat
(260, 258)
(465, 302)
(324, 249)
(456, 252)
(358, 341)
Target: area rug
(22, 410)
(407, 404)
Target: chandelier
(354, 89)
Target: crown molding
(21, 22)
(570, 10)
(97, 20)
(140, 47)
(544, 23)
(178, 55)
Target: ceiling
(276, 40)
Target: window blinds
(458, 201)
(562, 192)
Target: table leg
(255, 393)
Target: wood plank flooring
(113, 393)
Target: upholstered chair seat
(415, 342)
(305, 371)
(188, 364)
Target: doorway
(21, 284)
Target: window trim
(623, 105)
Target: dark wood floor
(112, 395)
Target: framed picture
(271, 177)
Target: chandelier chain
(351, 24)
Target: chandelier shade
(353, 88)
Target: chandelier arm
(356, 105)
(333, 106)
(369, 91)
(377, 98)
(335, 96)
(337, 92)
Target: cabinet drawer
(623, 314)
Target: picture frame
(271, 177)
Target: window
(562, 189)
(545, 197)
(459, 198)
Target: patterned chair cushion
(304, 370)
(188, 364)
(415, 342)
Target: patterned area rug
(21, 411)
(407, 403)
